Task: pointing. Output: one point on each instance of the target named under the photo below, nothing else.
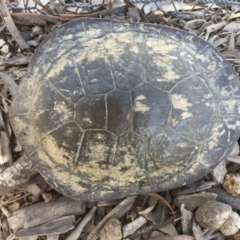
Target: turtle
(111, 109)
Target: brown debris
(56, 226)
(11, 26)
(116, 212)
(78, 229)
(42, 212)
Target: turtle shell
(111, 109)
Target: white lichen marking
(185, 115)
(61, 109)
(140, 97)
(180, 102)
(57, 153)
(87, 120)
(140, 106)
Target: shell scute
(91, 112)
(151, 108)
(53, 107)
(193, 113)
(167, 62)
(119, 112)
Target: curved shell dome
(110, 109)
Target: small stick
(78, 230)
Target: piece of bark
(11, 26)
(19, 173)
(231, 54)
(16, 60)
(224, 197)
(186, 220)
(31, 19)
(193, 201)
(42, 212)
(57, 226)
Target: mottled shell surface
(110, 109)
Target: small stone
(5, 49)
(2, 42)
(32, 43)
(231, 184)
(112, 230)
(231, 225)
(213, 214)
(36, 31)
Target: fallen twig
(78, 230)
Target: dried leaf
(179, 237)
(186, 220)
(161, 199)
(131, 227)
(215, 27)
(197, 232)
(235, 159)
(232, 26)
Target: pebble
(112, 230)
(231, 225)
(5, 49)
(2, 42)
(32, 43)
(212, 214)
(231, 184)
(36, 31)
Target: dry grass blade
(11, 26)
(161, 199)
